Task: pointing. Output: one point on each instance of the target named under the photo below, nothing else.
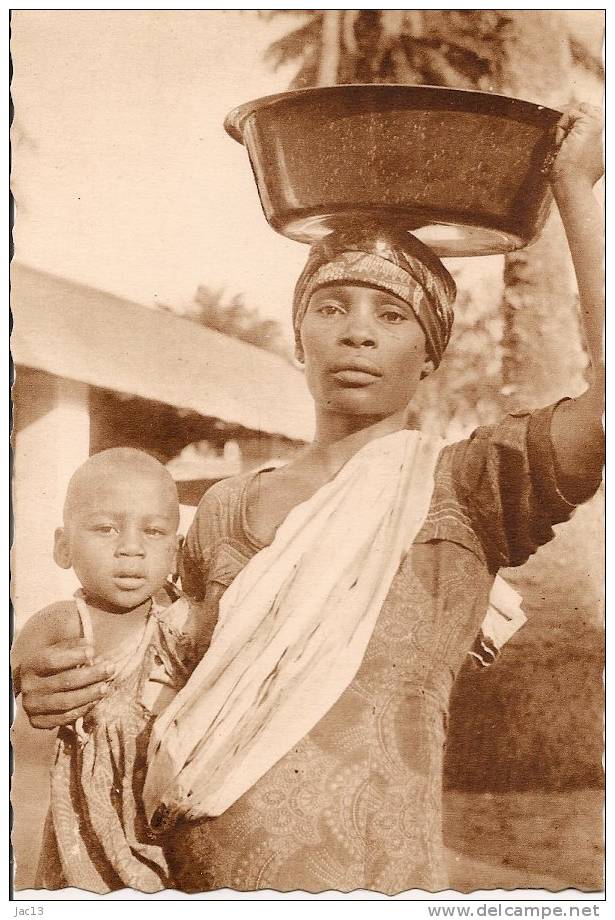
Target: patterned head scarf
(390, 260)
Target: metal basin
(459, 169)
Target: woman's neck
(340, 436)
(274, 494)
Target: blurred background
(152, 308)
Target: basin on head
(461, 170)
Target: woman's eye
(155, 532)
(329, 309)
(393, 316)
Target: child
(120, 536)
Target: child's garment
(95, 836)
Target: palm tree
(526, 53)
(232, 317)
(331, 34)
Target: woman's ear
(61, 549)
(299, 353)
(428, 368)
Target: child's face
(121, 537)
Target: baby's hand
(61, 682)
(578, 138)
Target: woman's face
(364, 350)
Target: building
(94, 371)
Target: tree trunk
(523, 725)
(544, 355)
(330, 47)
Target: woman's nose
(358, 332)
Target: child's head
(121, 516)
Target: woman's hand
(59, 683)
(578, 138)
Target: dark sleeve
(196, 550)
(506, 478)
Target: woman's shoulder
(226, 490)
(473, 471)
(448, 517)
(221, 514)
(504, 482)
(464, 462)
(223, 497)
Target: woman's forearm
(583, 222)
(576, 429)
(576, 426)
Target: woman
(337, 783)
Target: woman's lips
(356, 375)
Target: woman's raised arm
(576, 430)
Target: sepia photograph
(308, 562)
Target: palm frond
(438, 69)
(307, 75)
(294, 45)
(583, 57)
(269, 15)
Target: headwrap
(390, 260)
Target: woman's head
(376, 303)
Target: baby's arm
(196, 620)
(191, 628)
(57, 623)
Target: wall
(51, 437)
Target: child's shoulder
(67, 605)
(60, 616)
(55, 623)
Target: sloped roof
(84, 334)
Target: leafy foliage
(460, 48)
(232, 317)
(465, 391)
(446, 47)
(583, 57)
(302, 43)
(489, 50)
(521, 725)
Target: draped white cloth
(292, 630)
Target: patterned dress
(96, 837)
(357, 802)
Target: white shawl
(292, 630)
